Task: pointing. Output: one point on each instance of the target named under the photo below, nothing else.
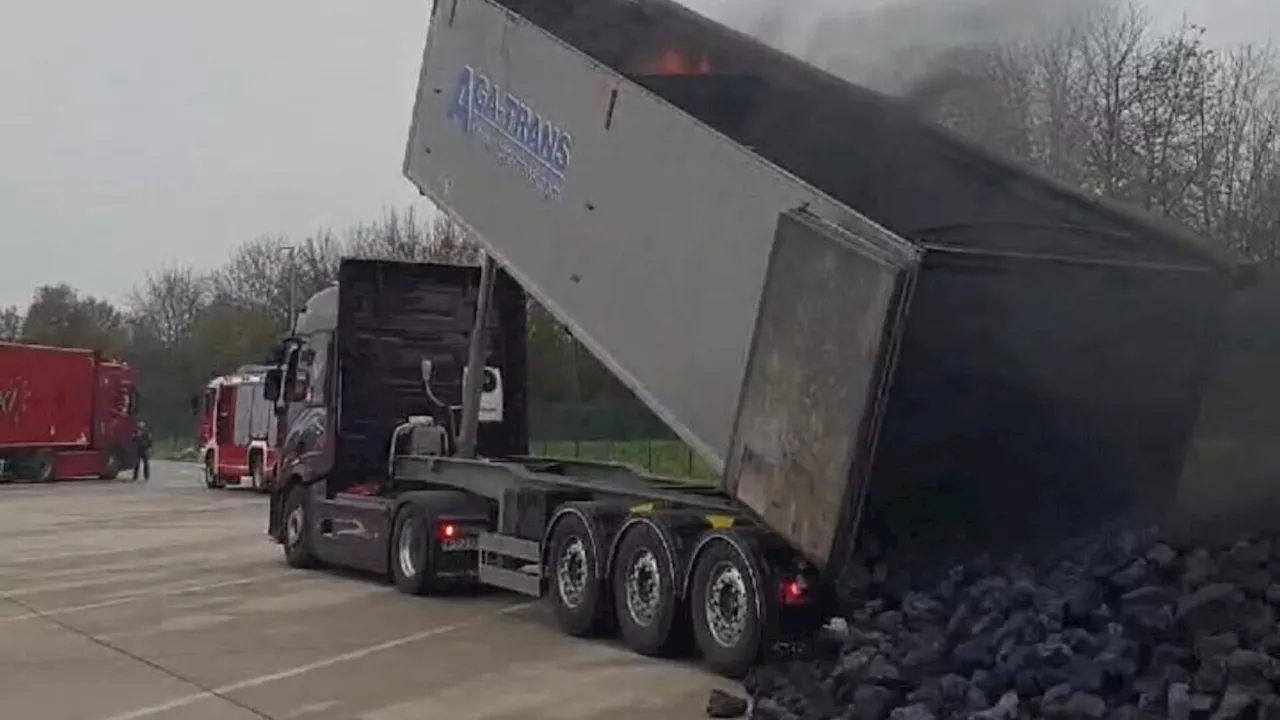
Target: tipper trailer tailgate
(46, 396)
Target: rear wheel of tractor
(644, 593)
(298, 551)
(42, 466)
(578, 598)
(724, 605)
(411, 552)
(111, 465)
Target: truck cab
(376, 364)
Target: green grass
(670, 458)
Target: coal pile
(1120, 627)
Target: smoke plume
(885, 44)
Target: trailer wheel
(298, 551)
(644, 593)
(724, 604)
(411, 552)
(42, 465)
(577, 596)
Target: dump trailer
(872, 329)
(64, 414)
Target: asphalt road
(164, 600)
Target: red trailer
(64, 413)
(237, 431)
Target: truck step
(511, 563)
(525, 583)
(511, 546)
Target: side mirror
(195, 404)
(272, 384)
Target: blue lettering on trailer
(510, 129)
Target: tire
(644, 595)
(42, 466)
(258, 475)
(577, 596)
(111, 466)
(411, 551)
(211, 480)
(298, 550)
(720, 573)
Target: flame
(673, 62)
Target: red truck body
(237, 431)
(64, 413)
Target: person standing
(142, 451)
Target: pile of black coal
(1122, 626)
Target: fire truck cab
(237, 431)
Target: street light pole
(293, 288)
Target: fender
(594, 516)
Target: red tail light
(795, 592)
(447, 531)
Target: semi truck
(882, 338)
(237, 436)
(64, 414)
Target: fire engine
(237, 431)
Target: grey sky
(140, 132)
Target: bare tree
(168, 304)
(402, 235)
(10, 324)
(255, 278)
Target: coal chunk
(1119, 626)
(723, 705)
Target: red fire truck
(237, 431)
(64, 414)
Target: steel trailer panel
(812, 398)
(643, 230)
(47, 396)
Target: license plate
(459, 545)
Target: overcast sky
(135, 133)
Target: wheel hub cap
(293, 526)
(643, 588)
(726, 605)
(408, 552)
(571, 573)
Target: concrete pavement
(121, 601)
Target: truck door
(821, 357)
(224, 416)
(207, 408)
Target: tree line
(1108, 102)
(180, 327)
